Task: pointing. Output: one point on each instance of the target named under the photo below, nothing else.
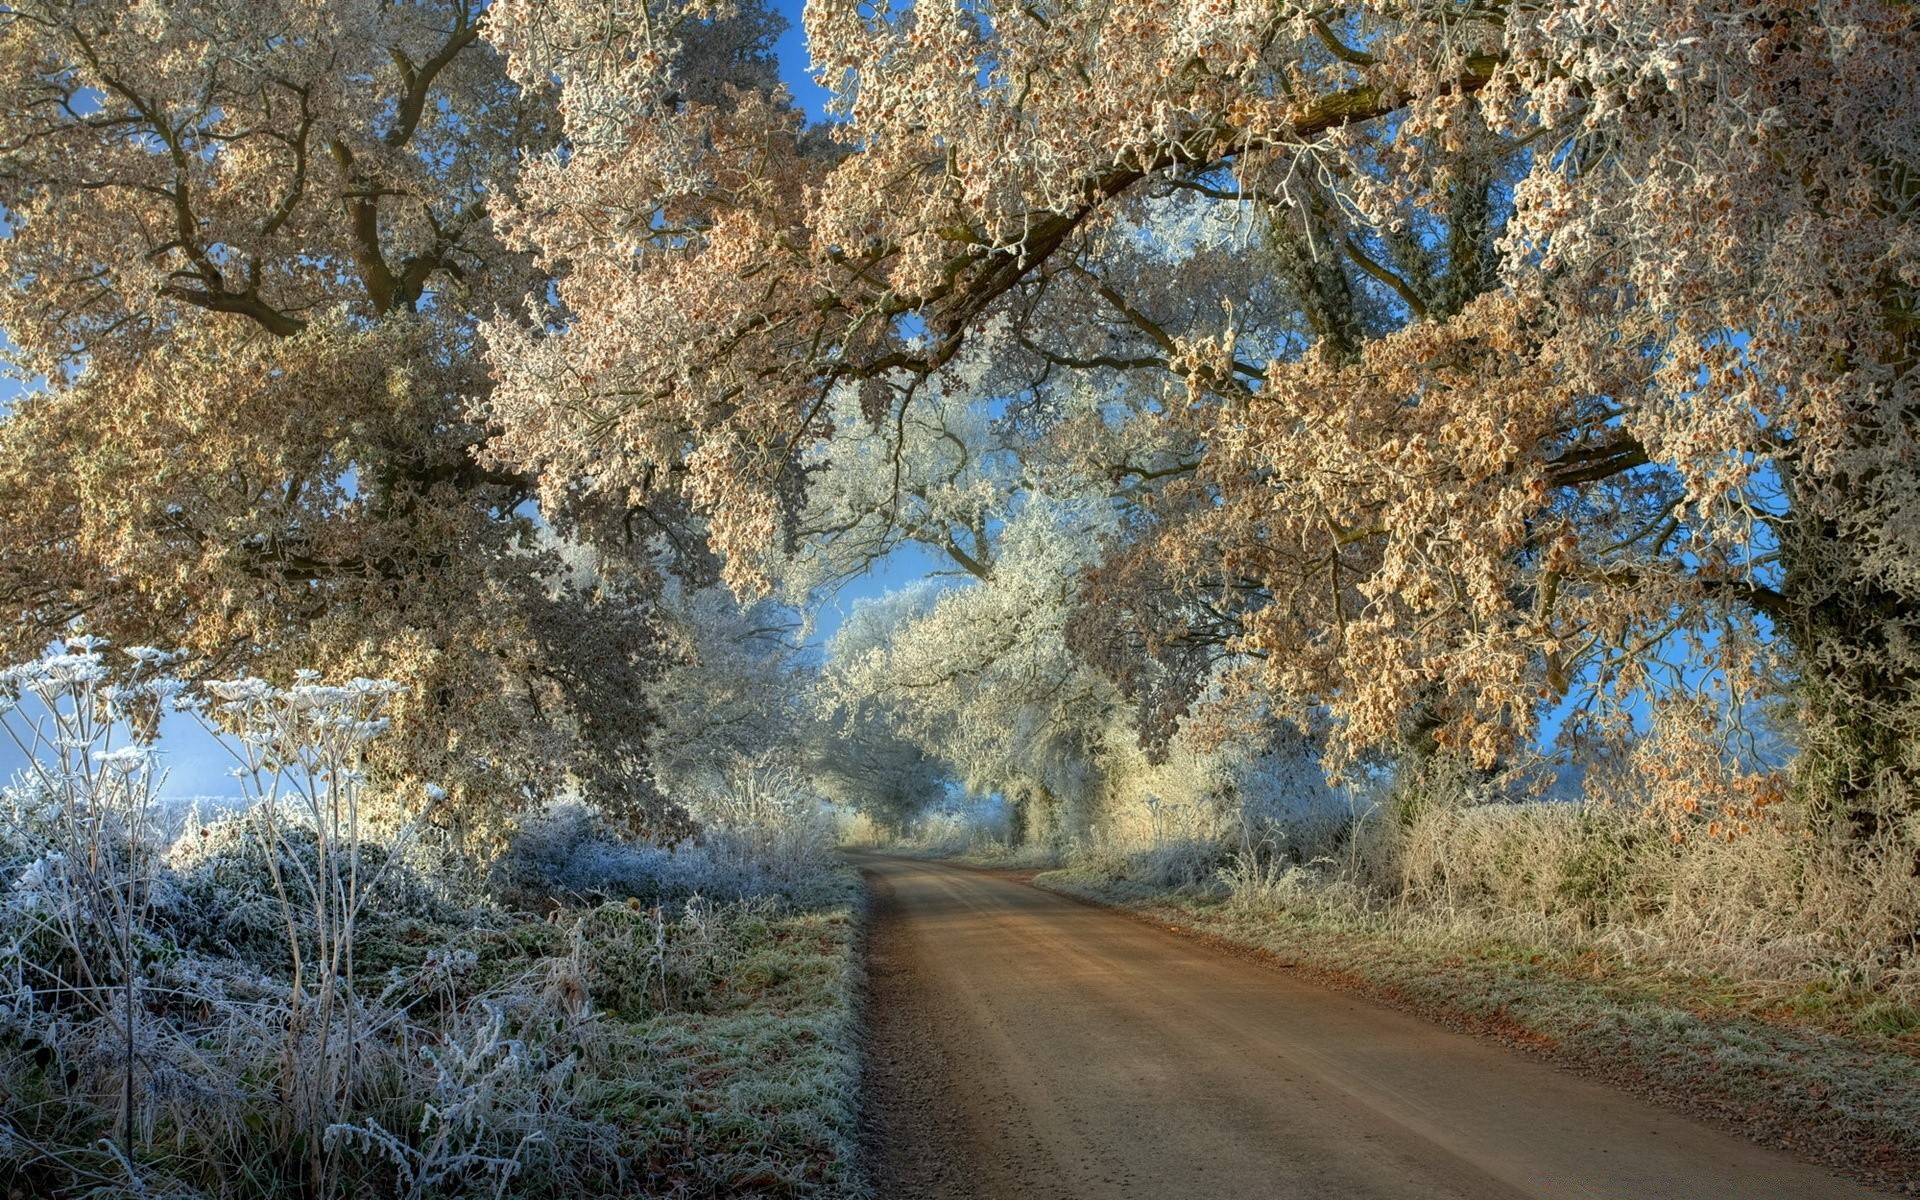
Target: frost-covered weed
(765, 828)
(497, 1104)
(197, 1022)
(81, 829)
(638, 961)
(316, 1010)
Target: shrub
(763, 832)
(199, 1024)
(568, 855)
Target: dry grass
(1760, 980)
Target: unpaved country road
(1025, 1045)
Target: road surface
(1025, 1045)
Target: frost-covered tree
(981, 677)
(863, 764)
(898, 467)
(1556, 335)
(248, 247)
(736, 690)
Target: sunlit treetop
(250, 245)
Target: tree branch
(417, 81)
(1590, 464)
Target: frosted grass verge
(284, 1002)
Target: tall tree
(980, 678)
(1558, 335)
(249, 244)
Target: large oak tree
(1556, 338)
(248, 246)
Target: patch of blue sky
(796, 65)
(194, 763)
(14, 383)
(1679, 665)
(909, 565)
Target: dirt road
(1026, 1045)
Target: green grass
(753, 1093)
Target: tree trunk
(1856, 651)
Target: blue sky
(794, 64)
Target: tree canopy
(249, 249)
(1424, 369)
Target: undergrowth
(281, 1003)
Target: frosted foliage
(765, 833)
(980, 675)
(932, 470)
(1549, 348)
(735, 688)
(980, 680)
(198, 1017)
(866, 767)
(248, 245)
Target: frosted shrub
(1777, 905)
(1774, 902)
(764, 828)
(1539, 859)
(197, 1022)
(1310, 859)
(763, 831)
(569, 854)
(227, 903)
(1274, 884)
(1245, 810)
(1176, 845)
